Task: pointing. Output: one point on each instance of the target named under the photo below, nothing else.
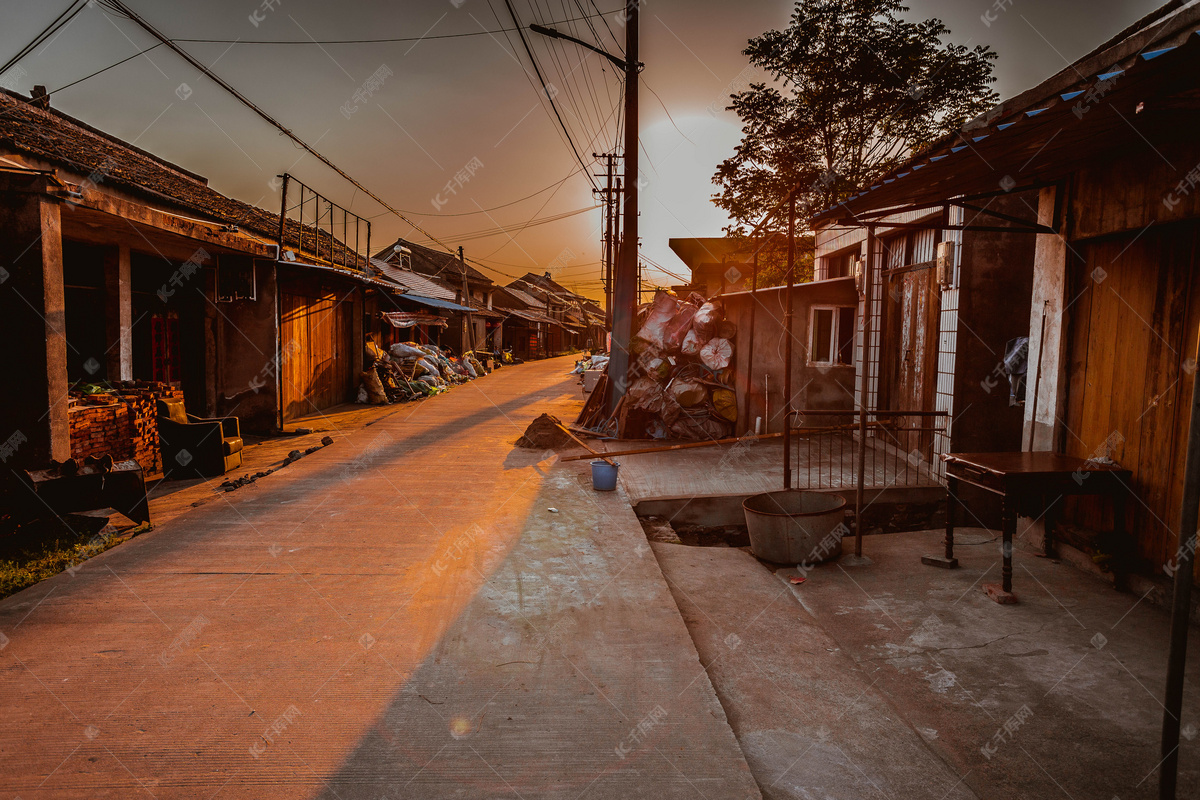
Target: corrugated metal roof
(411, 281)
(524, 297)
(434, 302)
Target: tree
(855, 90)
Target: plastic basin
(795, 526)
(604, 475)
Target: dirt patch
(544, 434)
(661, 530)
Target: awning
(434, 302)
(407, 319)
(1131, 96)
(534, 316)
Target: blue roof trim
(981, 138)
(936, 158)
(1069, 96)
(1153, 54)
(889, 180)
(876, 186)
(1108, 75)
(1035, 112)
(434, 302)
(1005, 126)
(919, 166)
(902, 174)
(956, 149)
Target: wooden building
(1108, 146)
(120, 266)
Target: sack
(692, 343)
(717, 354)
(376, 396)
(725, 402)
(404, 350)
(662, 311)
(678, 327)
(688, 393)
(706, 319)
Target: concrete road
(398, 615)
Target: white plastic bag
(662, 311)
(691, 343)
(717, 354)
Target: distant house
(580, 328)
(710, 260)
(472, 289)
(121, 266)
(526, 323)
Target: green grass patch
(33, 554)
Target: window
(831, 335)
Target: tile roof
(412, 282)
(434, 263)
(50, 136)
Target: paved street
(397, 615)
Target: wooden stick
(582, 444)
(686, 445)
(664, 448)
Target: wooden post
(1181, 605)
(749, 351)
(864, 331)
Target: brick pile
(127, 428)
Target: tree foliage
(855, 89)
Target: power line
(120, 6)
(393, 40)
(546, 89)
(106, 69)
(518, 226)
(62, 19)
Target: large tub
(795, 526)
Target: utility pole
(469, 329)
(608, 236)
(625, 279)
(624, 285)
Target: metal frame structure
(319, 233)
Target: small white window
(831, 335)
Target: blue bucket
(604, 475)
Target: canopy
(406, 319)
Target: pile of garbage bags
(596, 361)
(409, 371)
(681, 383)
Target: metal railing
(898, 448)
(320, 228)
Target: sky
(450, 125)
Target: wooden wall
(1134, 312)
(316, 350)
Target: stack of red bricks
(126, 428)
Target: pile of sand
(544, 434)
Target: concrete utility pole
(625, 277)
(609, 237)
(625, 280)
(469, 324)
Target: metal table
(1030, 484)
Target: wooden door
(316, 359)
(1134, 311)
(911, 348)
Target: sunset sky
(443, 103)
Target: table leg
(1123, 547)
(1010, 528)
(947, 561)
(1048, 526)
(1002, 592)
